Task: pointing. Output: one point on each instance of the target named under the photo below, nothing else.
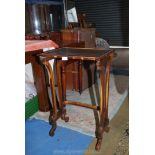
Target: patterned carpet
(82, 119)
(116, 142)
(122, 146)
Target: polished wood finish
(74, 38)
(77, 54)
(39, 79)
(78, 38)
(103, 59)
(86, 105)
(32, 48)
(86, 35)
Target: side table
(63, 57)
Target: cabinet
(86, 35)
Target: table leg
(53, 112)
(62, 87)
(107, 89)
(39, 78)
(63, 81)
(80, 75)
(73, 76)
(104, 69)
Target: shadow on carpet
(65, 141)
(84, 120)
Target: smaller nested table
(63, 57)
(32, 49)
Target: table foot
(98, 144)
(106, 127)
(52, 130)
(52, 121)
(99, 136)
(64, 117)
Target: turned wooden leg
(52, 121)
(80, 75)
(104, 70)
(107, 77)
(53, 112)
(73, 76)
(99, 138)
(100, 128)
(64, 116)
(61, 78)
(107, 86)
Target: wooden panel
(88, 35)
(39, 79)
(79, 37)
(72, 76)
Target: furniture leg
(63, 79)
(52, 121)
(107, 82)
(80, 75)
(73, 76)
(62, 88)
(53, 112)
(92, 96)
(39, 78)
(104, 84)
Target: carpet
(122, 146)
(82, 119)
(65, 141)
(116, 142)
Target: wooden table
(63, 57)
(32, 48)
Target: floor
(65, 141)
(112, 141)
(82, 119)
(69, 142)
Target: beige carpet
(82, 119)
(116, 142)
